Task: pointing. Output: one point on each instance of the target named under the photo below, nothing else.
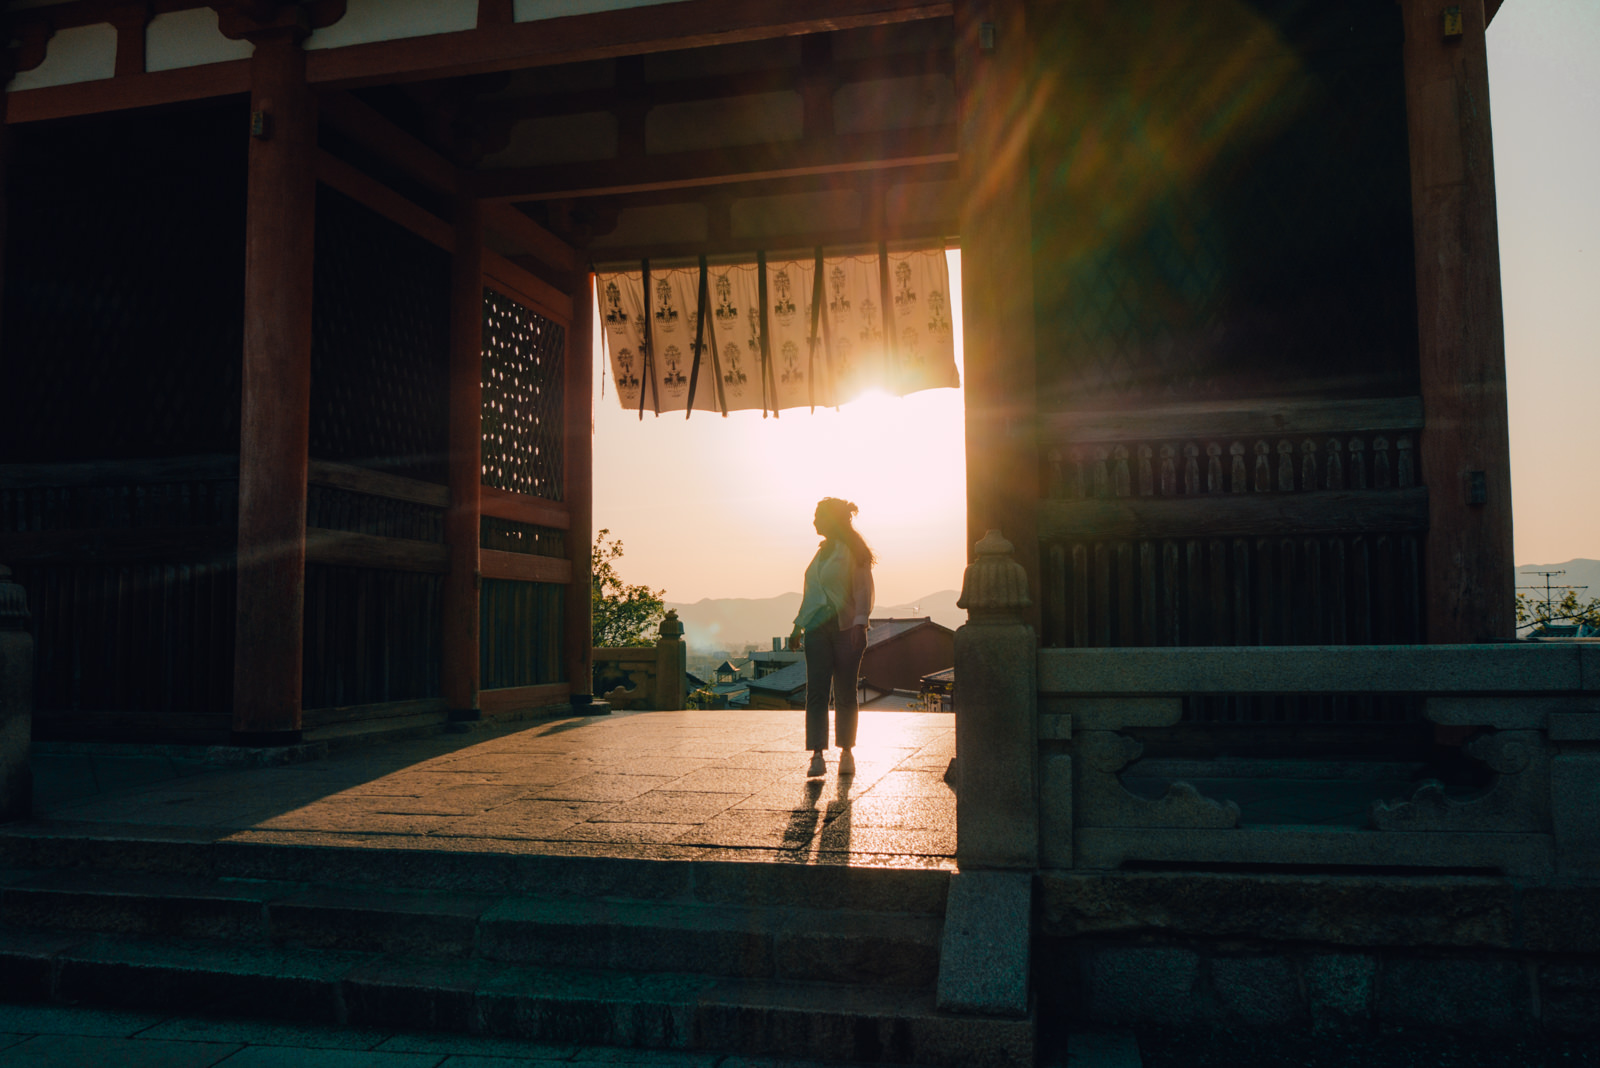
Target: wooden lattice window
(523, 395)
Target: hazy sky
(714, 507)
(1544, 93)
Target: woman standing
(833, 626)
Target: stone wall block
(1569, 998)
(996, 700)
(1470, 995)
(1339, 991)
(1518, 799)
(1258, 991)
(1561, 919)
(1055, 811)
(1146, 985)
(1575, 810)
(16, 700)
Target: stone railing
(1048, 754)
(645, 677)
(16, 700)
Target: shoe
(847, 763)
(818, 767)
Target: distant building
(938, 690)
(764, 662)
(784, 688)
(900, 652)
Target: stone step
(723, 940)
(39, 846)
(664, 1010)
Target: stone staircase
(806, 961)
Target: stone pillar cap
(994, 582)
(670, 627)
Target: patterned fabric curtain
(814, 354)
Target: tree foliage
(623, 614)
(1536, 612)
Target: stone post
(16, 700)
(996, 699)
(672, 693)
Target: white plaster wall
(188, 39)
(534, 10)
(80, 54)
(558, 139)
(387, 20)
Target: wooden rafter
(722, 166)
(689, 90)
(604, 35)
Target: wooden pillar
(1465, 447)
(996, 109)
(464, 520)
(579, 482)
(276, 395)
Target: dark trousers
(833, 661)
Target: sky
(1544, 98)
(714, 507)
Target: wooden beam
(129, 91)
(535, 511)
(517, 698)
(119, 472)
(1228, 419)
(578, 486)
(372, 131)
(463, 522)
(997, 104)
(1242, 516)
(377, 483)
(534, 239)
(526, 288)
(849, 153)
(1465, 455)
(604, 35)
(933, 234)
(348, 549)
(117, 544)
(276, 397)
(724, 86)
(337, 174)
(524, 567)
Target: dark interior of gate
(1227, 430)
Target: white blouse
(836, 581)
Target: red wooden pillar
(276, 395)
(463, 522)
(1465, 448)
(993, 94)
(579, 482)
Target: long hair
(837, 514)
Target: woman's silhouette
(833, 624)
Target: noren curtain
(776, 335)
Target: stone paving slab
(724, 784)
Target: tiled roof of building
(784, 680)
(882, 630)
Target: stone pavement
(697, 784)
(49, 1036)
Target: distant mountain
(732, 622)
